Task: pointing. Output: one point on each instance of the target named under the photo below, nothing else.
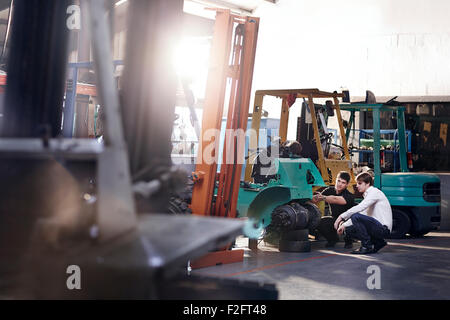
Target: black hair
(344, 175)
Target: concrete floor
(409, 269)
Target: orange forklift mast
(231, 63)
(232, 60)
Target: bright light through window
(191, 59)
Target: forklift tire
(302, 216)
(295, 235)
(314, 216)
(178, 206)
(294, 246)
(400, 224)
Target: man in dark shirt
(339, 200)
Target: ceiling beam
(225, 5)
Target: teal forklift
(275, 196)
(414, 197)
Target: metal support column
(69, 104)
(122, 218)
(376, 146)
(402, 140)
(202, 194)
(284, 120)
(321, 162)
(254, 136)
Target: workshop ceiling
(240, 6)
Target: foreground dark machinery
(68, 204)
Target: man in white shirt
(370, 221)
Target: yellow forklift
(314, 137)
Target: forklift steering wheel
(324, 137)
(342, 149)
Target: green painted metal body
(295, 180)
(403, 189)
(406, 189)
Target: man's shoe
(363, 250)
(330, 244)
(379, 246)
(348, 245)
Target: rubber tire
(304, 218)
(401, 224)
(295, 235)
(413, 231)
(294, 246)
(288, 213)
(178, 206)
(314, 216)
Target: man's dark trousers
(326, 229)
(367, 229)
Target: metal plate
(83, 149)
(170, 241)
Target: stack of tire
(179, 202)
(295, 222)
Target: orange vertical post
(241, 73)
(341, 128)
(321, 160)
(205, 171)
(284, 119)
(226, 207)
(254, 136)
(228, 147)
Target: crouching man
(339, 200)
(370, 221)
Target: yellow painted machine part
(323, 164)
